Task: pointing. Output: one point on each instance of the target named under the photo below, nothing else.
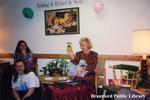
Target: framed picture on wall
(62, 21)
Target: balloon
(98, 7)
(28, 13)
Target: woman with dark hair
(24, 53)
(25, 84)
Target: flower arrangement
(56, 67)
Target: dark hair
(18, 44)
(26, 70)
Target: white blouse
(25, 82)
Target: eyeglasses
(22, 45)
(18, 66)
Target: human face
(61, 21)
(20, 67)
(67, 17)
(84, 47)
(22, 46)
(56, 21)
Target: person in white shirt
(25, 84)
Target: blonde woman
(85, 60)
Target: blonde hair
(87, 40)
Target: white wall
(110, 31)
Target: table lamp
(141, 45)
(141, 42)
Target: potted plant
(56, 67)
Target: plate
(69, 81)
(65, 81)
(48, 78)
(63, 78)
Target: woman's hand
(16, 95)
(18, 99)
(71, 55)
(29, 93)
(24, 52)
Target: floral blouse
(28, 59)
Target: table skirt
(69, 92)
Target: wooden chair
(130, 79)
(129, 82)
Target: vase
(55, 72)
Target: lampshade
(141, 41)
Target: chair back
(130, 79)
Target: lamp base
(144, 74)
(144, 67)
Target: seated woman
(25, 84)
(86, 61)
(24, 53)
